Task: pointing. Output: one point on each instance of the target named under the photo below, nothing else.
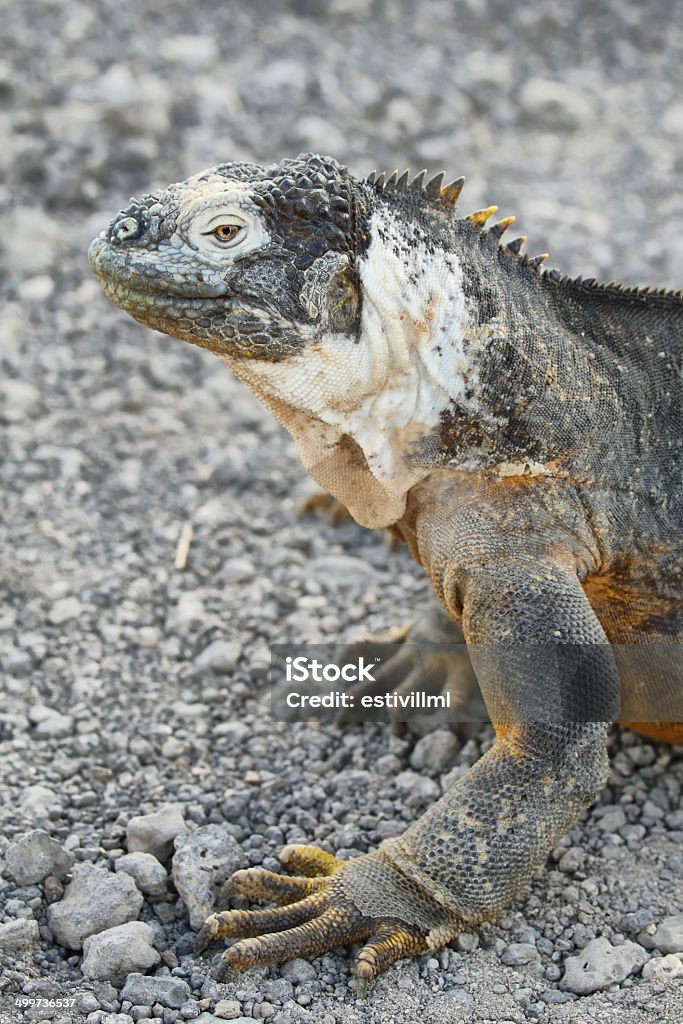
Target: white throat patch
(356, 408)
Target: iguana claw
(312, 915)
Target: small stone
(145, 991)
(518, 953)
(436, 751)
(20, 934)
(188, 614)
(664, 968)
(635, 921)
(600, 964)
(220, 656)
(203, 860)
(87, 1002)
(190, 1010)
(195, 52)
(154, 833)
(573, 860)
(147, 872)
(19, 400)
(298, 970)
(55, 726)
(94, 900)
(417, 785)
(116, 1018)
(116, 952)
(613, 820)
(668, 935)
(35, 801)
(227, 1009)
(277, 990)
(467, 942)
(63, 610)
(35, 855)
(37, 288)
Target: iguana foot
(335, 511)
(315, 911)
(428, 655)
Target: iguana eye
(226, 233)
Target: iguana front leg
(549, 680)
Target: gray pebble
(518, 953)
(220, 656)
(63, 610)
(35, 855)
(147, 872)
(664, 968)
(94, 900)
(573, 860)
(298, 970)
(171, 992)
(228, 1009)
(154, 833)
(116, 952)
(600, 964)
(668, 935)
(436, 751)
(20, 934)
(35, 801)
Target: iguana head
(340, 302)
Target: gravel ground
(127, 684)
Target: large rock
(94, 900)
(203, 860)
(145, 991)
(600, 964)
(117, 952)
(35, 855)
(154, 833)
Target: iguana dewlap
(520, 430)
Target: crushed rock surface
(128, 685)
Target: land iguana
(521, 431)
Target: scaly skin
(520, 431)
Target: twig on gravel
(183, 546)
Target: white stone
(154, 833)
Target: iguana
(521, 431)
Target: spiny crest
(629, 291)
(448, 194)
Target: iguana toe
(317, 913)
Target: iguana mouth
(145, 299)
